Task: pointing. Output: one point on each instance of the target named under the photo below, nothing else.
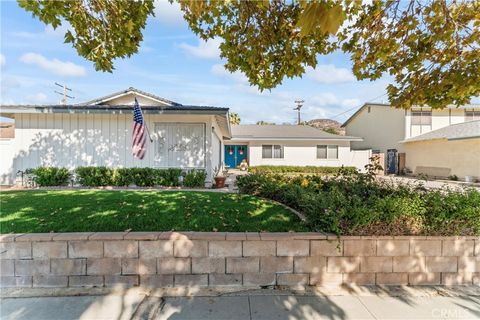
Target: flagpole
(148, 131)
(146, 127)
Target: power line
(299, 106)
(64, 93)
(356, 107)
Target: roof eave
(110, 109)
(243, 138)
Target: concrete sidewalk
(245, 305)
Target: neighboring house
(292, 145)
(388, 130)
(451, 150)
(98, 133)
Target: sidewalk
(256, 304)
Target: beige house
(434, 142)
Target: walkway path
(260, 304)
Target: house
(98, 133)
(291, 145)
(435, 142)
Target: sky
(172, 63)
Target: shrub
(122, 177)
(168, 177)
(94, 176)
(360, 205)
(195, 178)
(143, 177)
(51, 176)
(298, 170)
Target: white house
(98, 133)
(292, 145)
(435, 142)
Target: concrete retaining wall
(166, 259)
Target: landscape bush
(94, 176)
(298, 169)
(195, 178)
(143, 177)
(359, 204)
(121, 177)
(168, 177)
(51, 176)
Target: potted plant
(220, 175)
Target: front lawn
(100, 210)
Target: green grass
(99, 210)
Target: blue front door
(234, 155)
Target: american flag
(139, 135)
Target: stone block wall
(169, 259)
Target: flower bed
(358, 204)
(299, 169)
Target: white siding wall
(216, 151)
(7, 148)
(440, 118)
(304, 153)
(72, 140)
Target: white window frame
(423, 114)
(272, 148)
(327, 147)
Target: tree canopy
(431, 49)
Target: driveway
(430, 184)
(259, 304)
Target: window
(272, 151)
(327, 152)
(471, 115)
(422, 118)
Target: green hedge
(51, 176)
(103, 176)
(361, 205)
(142, 177)
(195, 178)
(94, 176)
(307, 169)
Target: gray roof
(98, 105)
(108, 109)
(131, 89)
(284, 132)
(459, 131)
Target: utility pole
(64, 93)
(299, 106)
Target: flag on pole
(139, 134)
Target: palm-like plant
(234, 118)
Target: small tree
(234, 118)
(264, 123)
(330, 130)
